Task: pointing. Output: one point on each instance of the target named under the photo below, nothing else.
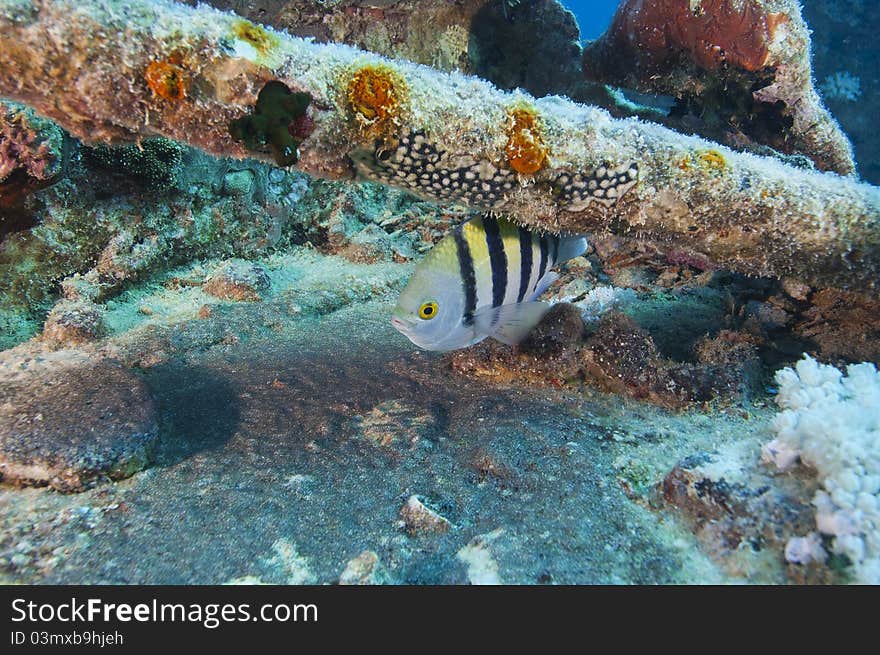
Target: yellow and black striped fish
(482, 280)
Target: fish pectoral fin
(512, 323)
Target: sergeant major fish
(482, 280)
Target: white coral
(600, 300)
(832, 422)
(803, 550)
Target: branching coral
(831, 422)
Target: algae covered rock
(237, 280)
(73, 323)
(616, 355)
(742, 514)
(67, 423)
(740, 68)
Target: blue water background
(593, 16)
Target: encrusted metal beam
(112, 70)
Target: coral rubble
(615, 355)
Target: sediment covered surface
(291, 439)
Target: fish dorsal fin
(512, 323)
(543, 284)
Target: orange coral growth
(255, 35)
(709, 160)
(737, 33)
(712, 159)
(167, 78)
(526, 152)
(375, 95)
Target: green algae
(268, 127)
(16, 327)
(156, 162)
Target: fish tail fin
(571, 247)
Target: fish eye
(428, 310)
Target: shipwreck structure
(113, 71)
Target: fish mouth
(399, 324)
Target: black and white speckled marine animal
(427, 171)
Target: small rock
(795, 288)
(420, 519)
(79, 287)
(238, 183)
(287, 562)
(67, 426)
(238, 280)
(73, 323)
(765, 315)
(365, 569)
(482, 569)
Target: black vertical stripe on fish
(468, 277)
(497, 260)
(554, 241)
(525, 261)
(542, 267)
